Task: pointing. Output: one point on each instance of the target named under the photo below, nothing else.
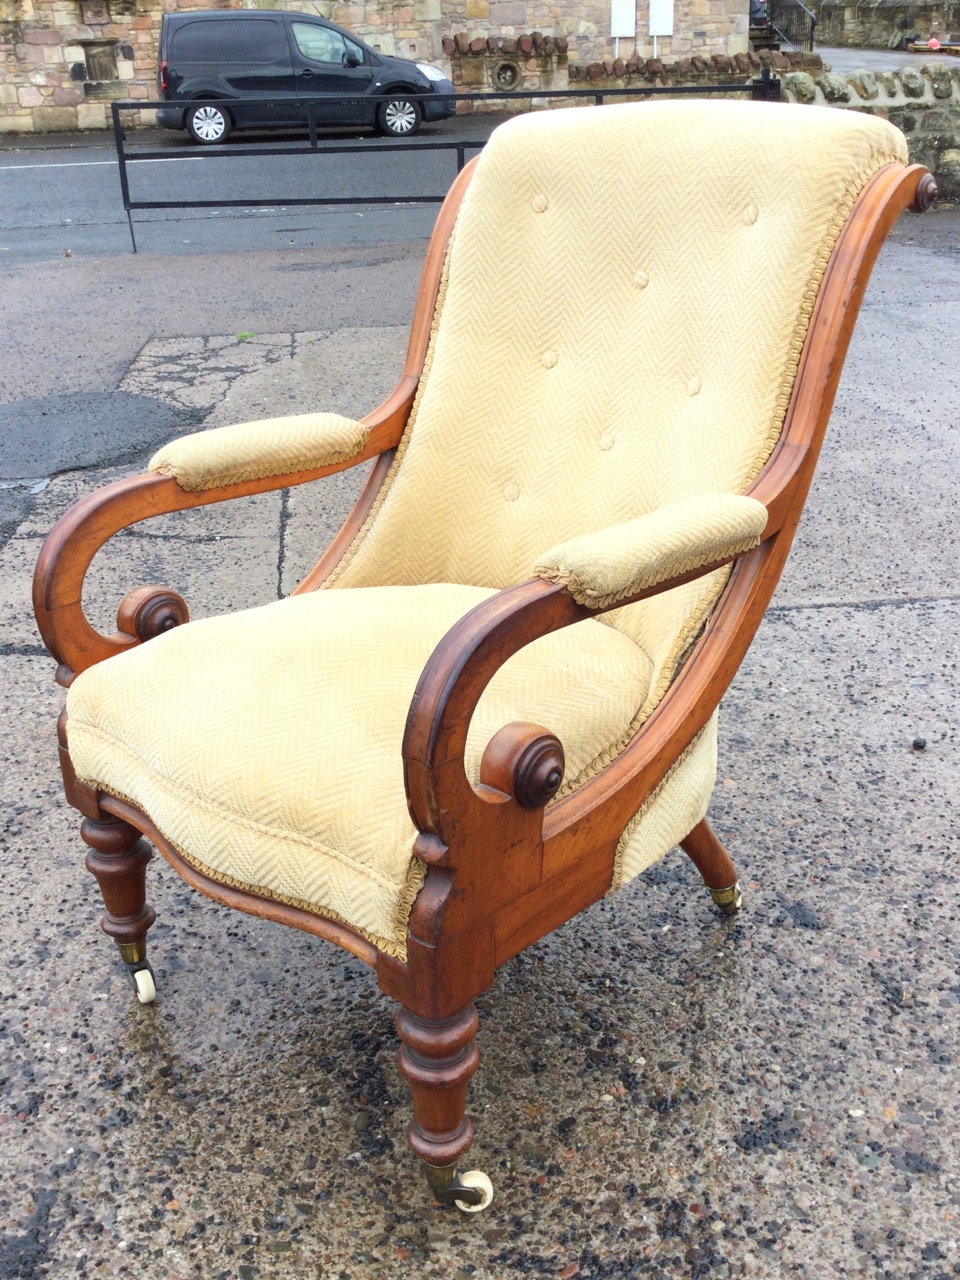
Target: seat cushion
(266, 745)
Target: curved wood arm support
(782, 485)
(75, 539)
(454, 679)
(450, 687)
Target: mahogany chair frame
(502, 869)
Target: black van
(216, 59)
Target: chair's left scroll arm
(194, 471)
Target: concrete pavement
(661, 1093)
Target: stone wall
(877, 24)
(537, 62)
(716, 68)
(506, 64)
(63, 61)
(701, 26)
(923, 103)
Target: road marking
(80, 164)
(67, 164)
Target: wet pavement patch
(803, 916)
(25, 1253)
(45, 435)
(768, 1131)
(15, 504)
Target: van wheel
(398, 117)
(208, 123)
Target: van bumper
(442, 105)
(170, 117)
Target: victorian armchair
(418, 756)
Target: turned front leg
(118, 858)
(438, 1059)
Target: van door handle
(306, 72)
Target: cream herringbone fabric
(266, 745)
(254, 450)
(626, 298)
(628, 293)
(672, 810)
(601, 568)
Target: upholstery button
(607, 440)
(750, 214)
(548, 359)
(641, 279)
(511, 492)
(693, 386)
(539, 203)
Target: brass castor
(471, 1192)
(729, 900)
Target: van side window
(320, 44)
(229, 40)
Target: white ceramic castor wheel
(480, 1181)
(145, 985)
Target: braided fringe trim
(638, 817)
(395, 946)
(795, 348)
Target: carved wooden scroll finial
(526, 761)
(149, 611)
(926, 193)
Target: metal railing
(766, 88)
(793, 23)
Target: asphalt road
(77, 306)
(65, 197)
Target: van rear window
(229, 40)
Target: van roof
(189, 15)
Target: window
(229, 40)
(321, 44)
(101, 61)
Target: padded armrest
(253, 450)
(598, 569)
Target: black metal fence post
(119, 137)
(767, 88)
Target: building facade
(63, 61)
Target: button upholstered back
(627, 293)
